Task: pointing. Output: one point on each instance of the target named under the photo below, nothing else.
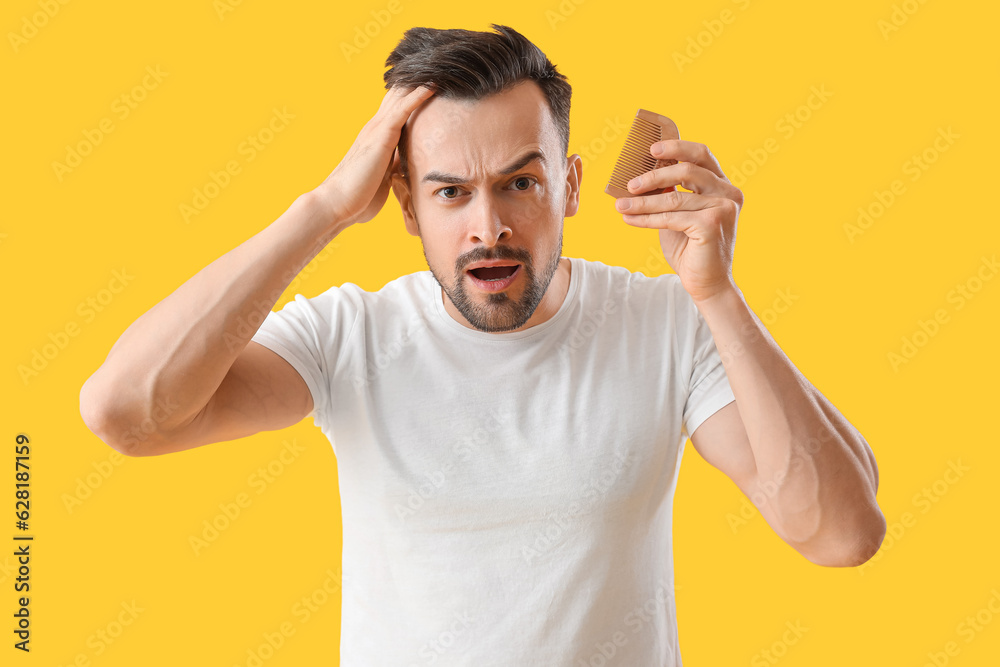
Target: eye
(526, 180)
(449, 192)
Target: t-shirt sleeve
(708, 387)
(309, 334)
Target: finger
(667, 201)
(691, 176)
(397, 93)
(678, 221)
(414, 97)
(397, 105)
(687, 151)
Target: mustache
(519, 255)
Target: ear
(401, 189)
(574, 176)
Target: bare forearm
(168, 363)
(818, 472)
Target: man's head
(483, 172)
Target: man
(509, 424)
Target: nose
(486, 225)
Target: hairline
(550, 113)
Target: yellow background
(853, 302)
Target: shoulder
(397, 305)
(602, 281)
(407, 293)
(408, 288)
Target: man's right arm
(186, 373)
(183, 374)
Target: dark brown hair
(471, 65)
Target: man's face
(488, 183)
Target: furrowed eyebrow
(520, 163)
(523, 162)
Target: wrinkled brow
(520, 163)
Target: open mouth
(494, 273)
(494, 278)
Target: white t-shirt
(506, 498)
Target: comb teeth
(647, 128)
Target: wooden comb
(647, 128)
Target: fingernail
(635, 182)
(624, 204)
(657, 149)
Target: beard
(496, 312)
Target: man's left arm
(812, 474)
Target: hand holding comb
(635, 158)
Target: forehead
(481, 136)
